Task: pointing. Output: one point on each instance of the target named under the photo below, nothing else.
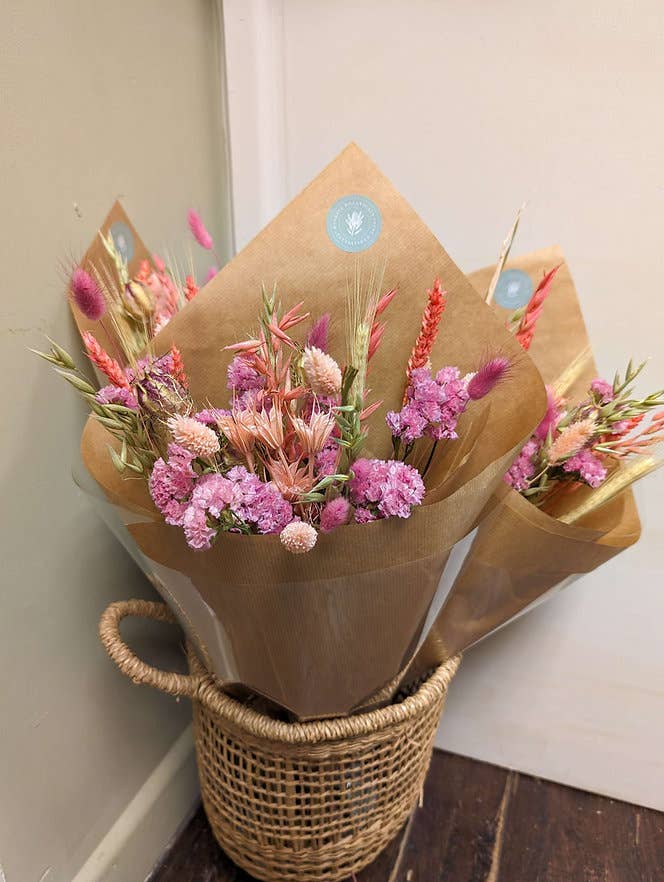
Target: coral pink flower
(322, 372)
(290, 479)
(313, 435)
(238, 427)
(178, 370)
(298, 537)
(268, 428)
(191, 288)
(193, 436)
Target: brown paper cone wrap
(320, 633)
(520, 553)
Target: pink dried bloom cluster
(603, 390)
(523, 467)
(384, 488)
(433, 405)
(210, 415)
(204, 504)
(117, 395)
(171, 483)
(242, 377)
(587, 466)
(326, 461)
(247, 500)
(258, 504)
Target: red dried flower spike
(104, 362)
(526, 329)
(433, 312)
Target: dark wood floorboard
(481, 824)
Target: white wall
(98, 100)
(471, 108)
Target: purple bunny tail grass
(198, 230)
(211, 273)
(319, 333)
(488, 376)
(87, 295)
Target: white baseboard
(139, 837)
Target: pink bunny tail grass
(571, 439)
(551, 417)
(199, 231)
(211, 273)
(87, 295)
(488, 377)
(335, 514)
(318, 335)
(526, 330)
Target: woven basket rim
(259, 725)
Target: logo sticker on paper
(124, 241)
(354, 223)
(514, 289)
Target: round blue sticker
(124, 241)
(354, 223)
(514, 289)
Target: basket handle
(130, 664)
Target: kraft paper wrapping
(320, 633)
(521, 554)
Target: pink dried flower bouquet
(583, 443)
(284, 456)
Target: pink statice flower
(588, 466)
(213, 493)
(171, 483)
(257, 504)
(364, 515)
(117, 395)
(326, 461)
(523, 468)
(433, 405)
(603, 390)
(197, 531)
(209, 415)
(386, 488)
(335, 514)
(242, 377)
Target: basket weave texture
(299, 802)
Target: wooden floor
(482, 824)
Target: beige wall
(99, 100)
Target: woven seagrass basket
(312, 802)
